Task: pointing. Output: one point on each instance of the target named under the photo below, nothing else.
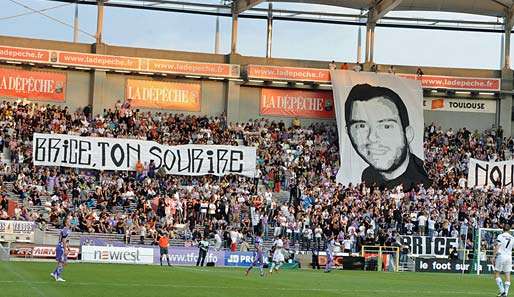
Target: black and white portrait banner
(487, 174)
(122, 154)
(380, 122)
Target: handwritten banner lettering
(123, 154)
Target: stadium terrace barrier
(94, 241)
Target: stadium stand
(301, 160)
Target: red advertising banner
(42, 252)
(297, 103)
(192, 68)
(287, 73)
(21, 252)
(24, 54)
(99, 61)
(456, 83)
(118, 62)
(32, 85)
(49, 252)
(164, 95)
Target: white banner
(485, 174)
(460, 105)
(380, 123)
(122, 154)
(427, 246)
(121, 255)
(17, 231)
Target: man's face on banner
(377, 134)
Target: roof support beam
(233, 40)
(375, 13)
(503, 3)
(100, 21)
(269, 31)
(243, 5)
(381, 8)
(508, 25)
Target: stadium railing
(381, 258)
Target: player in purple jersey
(331, 243)
(258, 255)
(61, 252)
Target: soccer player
(164, 244)
(503, 259)
(203, 248)
(278, 255)
(61, 252)
(258, 255)
(331, 243)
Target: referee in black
(203, 246)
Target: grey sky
(187, 32)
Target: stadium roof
(496, 8)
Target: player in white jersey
(278, 255)
(503, 259)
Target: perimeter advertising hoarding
(163, 95)
(189, 256)
(459, 105)
(119, 255)
(266, 72)
(147, 255)
(450, 266)
(40, 252)
(33, 85)
(241, 259)
(297, 103)
(135, 64)
(456, 83)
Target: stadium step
(281, 197)
(408, 266)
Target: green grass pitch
(27, 279)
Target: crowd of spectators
(301, 160)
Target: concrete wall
(78, 95)
(457, 120)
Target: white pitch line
(337, 290)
